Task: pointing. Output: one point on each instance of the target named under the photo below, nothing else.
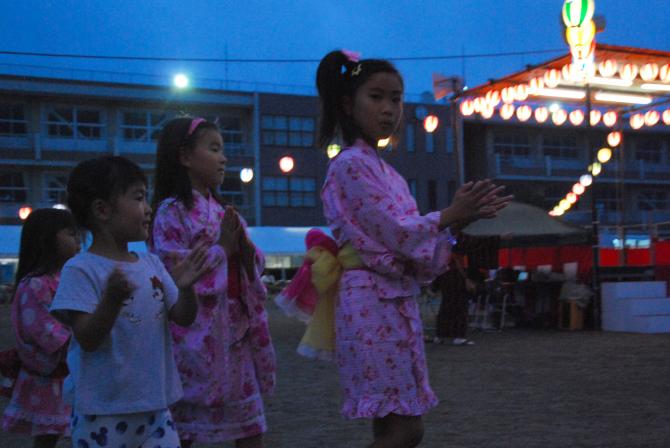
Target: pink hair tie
(194, 125)
(353, 56)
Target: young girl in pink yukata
(368, 206)
(225, 358)
(48, 239)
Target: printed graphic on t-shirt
(158, 294)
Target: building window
(432, 195)
(607, 199)
(560, 146)
(13, 120)
(12, 188)
(55, 188)
(411, 183)
(409, 137)
(143, 126)
(649, 150)
(282, 130)
(73, 122)
(653, 200)
(430, 142)
(289, 191)
(511, 144)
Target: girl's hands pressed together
(190, 269)
(231, 227)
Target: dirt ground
(527, 388)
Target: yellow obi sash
(319, 338)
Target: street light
(246, 175)
(180, 81)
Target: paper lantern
(559, 117)
(578, 189)
(521, 92)
(541, 114)
(487, 111)
(628, 72)
(607, 68)
(649, 71)
(478, 103)
(595, 168)
(564, 204)
(595, 117)
(571, 198)
(535, 85)
(664, 73)
(524, 112)
(666, 116)
(585, 180)
(636, 121)
(604, 155)
(507, 95)
(333, 150)
(610, 118)
(286, 164)
(577, 12)
(247, 174)
(430, 123)
(552, 78)
(568, 72)
(506, 111)
(492, 98)
(467, 107)
(24, 212)
(651, 118)
(384, 142)
(576, 117)
(614, 138)
(558, 211)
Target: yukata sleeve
(388, 240)
(171, 242)
(35, 324)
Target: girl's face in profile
(377, 107)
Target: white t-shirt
(133, 369)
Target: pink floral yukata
(225, 358)
(37, 405)
(379, 335)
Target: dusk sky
(253, 29)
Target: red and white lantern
(651, 118)
(576, 117)
(610, 118)
(594, 119)
(541, 114)
(524, 112)
(607, 68)
(507, 111)
(649, 71)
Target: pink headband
(194, 125)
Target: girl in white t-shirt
(118, 303)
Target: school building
(48, 125)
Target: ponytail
(339, 75)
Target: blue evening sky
(306, 30)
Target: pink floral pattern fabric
(379, 335)
(37, 405)
(225, 358)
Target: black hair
(336, 78)
(171, 178)
(38, 252)
(105, 178)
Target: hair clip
(356, 71)
(194, 125)
(353, 56)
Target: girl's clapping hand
(190, 269)
(118, 287)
